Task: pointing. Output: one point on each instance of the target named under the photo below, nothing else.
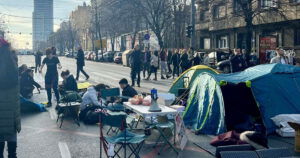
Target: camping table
(143, 111)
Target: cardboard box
(296, 126)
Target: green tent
(186, 79)
(221, 102)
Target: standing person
(154, 65)
(206, 60)
(163, 63)
(51, 77)
(146, 62)
(190, 57)
(10, 120)
(280, 58)
(197, 59)
(169, 58)
(80, 64)
(136, 66)
(38, 60)
(184, 64)
(175, 62)
(237, 61)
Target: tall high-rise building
(42, 19)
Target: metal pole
(193, 14)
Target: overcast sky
(11, 9)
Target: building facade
(42, 19)
(81, 21)
(221, 25)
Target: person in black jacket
(69, 83)
(146, 62)
(80, 64)
(127, 90)
(169, 60)
(175, 62)
(38, 60)
(184, 61)
(197, 59)
(237, 61)
(27, 84)
(136, 63)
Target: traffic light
(188, 31)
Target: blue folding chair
(122, 140)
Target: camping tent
(188, 77)
(221, 102)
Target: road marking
(64, 150)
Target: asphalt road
(42, 138)
(107, 73)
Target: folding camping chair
(115, 92)
(68, 99)
(123, 140)
(162, 126)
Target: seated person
(27, 84)
(69, 83)
(90, 97)
(22, 69)
(127, 90)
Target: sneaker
(163, 78)
(48, 105)
(87, 78)
(139, 85)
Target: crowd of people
(171, 62)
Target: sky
(20, 28)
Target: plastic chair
(274, 153)
(239, 154)
(69, 98)
(122, 140)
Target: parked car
(118, 57)
(109, 56)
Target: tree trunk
(249, 30)
(160, 40)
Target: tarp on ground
(217, 100)
(29, 106)
(190, 75)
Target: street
(106, 73)
(41, 136)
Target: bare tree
(254, 12)
(157, 14)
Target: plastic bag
(147, 100)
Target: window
(204, 15)
(219, 12)
(297, 37)
(222, 42)
(269, 3)
(236, 6)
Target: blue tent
(220, 101)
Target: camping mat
(83, 85)
(203, 142)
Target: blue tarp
(27, 105)
(275, 87)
